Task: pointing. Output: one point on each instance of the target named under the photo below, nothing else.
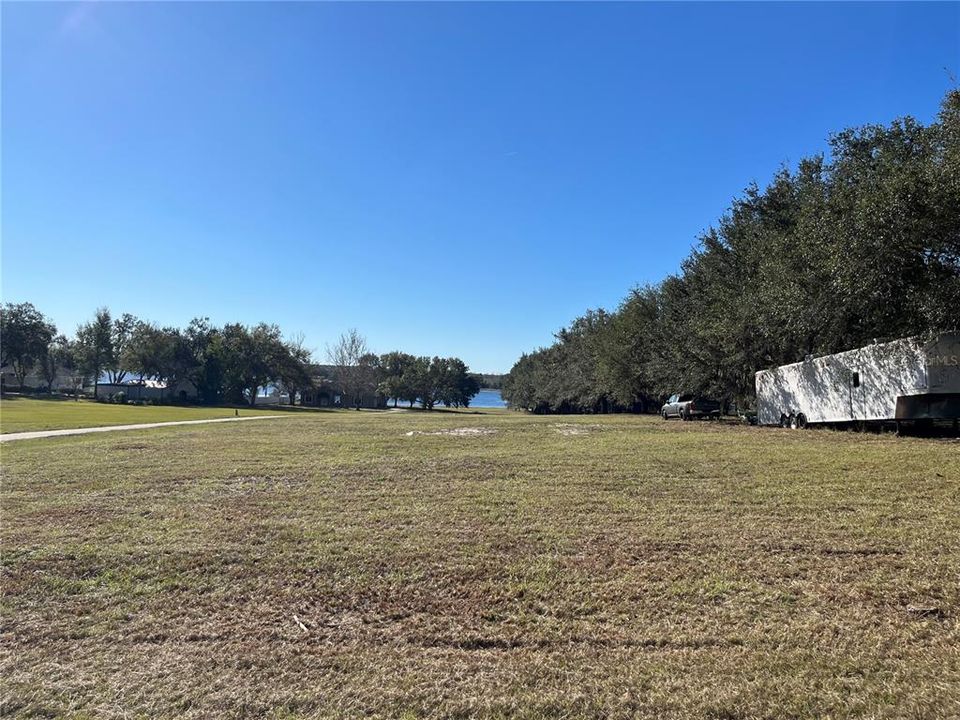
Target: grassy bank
(495, 565)
(20, 414)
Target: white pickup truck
(688, 407)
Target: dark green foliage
(25, 335)
(246, 356)
(95, 346)
(293, 368)
(397, 377)
(228, 364)
(426, 380)
(863, 246)
(491, 381)
(123, 330)
(149, 351)
(224, 364)
(59, 355)
(196, 357)
(455, 385)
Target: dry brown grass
(335, 566)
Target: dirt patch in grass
(576, 428)
(455, 432)
(245, 484)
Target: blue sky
(457, 179)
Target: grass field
(495, 565)
(24, 414)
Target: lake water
(488, 399)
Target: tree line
(491, 381)
(843, 250)
(229, 364)
(400, 376)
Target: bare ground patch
(455, 432)
(245, 484)
(577, 428)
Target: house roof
(158, 384)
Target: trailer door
(856, 395)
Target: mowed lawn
(360, 564)
(25, 414)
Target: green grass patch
(25, 414)
(427, 565)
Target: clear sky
(452, 179)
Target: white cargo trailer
(903, 380)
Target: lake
(488, 399)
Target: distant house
(65, 380)
(180, 391)
(326, 392)
(271, 396)
(71, 381)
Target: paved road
(110, 428)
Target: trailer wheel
(801, 421)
